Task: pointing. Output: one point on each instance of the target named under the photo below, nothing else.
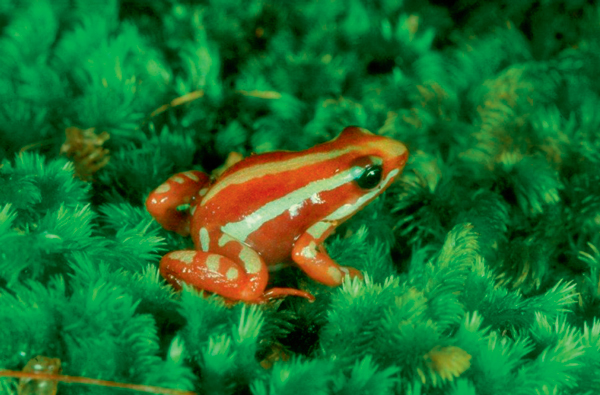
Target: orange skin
(272, 208)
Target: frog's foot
(313, 259)
(169, 203)
(277, 293)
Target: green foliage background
(482, 264)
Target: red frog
(272, 208)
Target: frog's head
(381, 158)
(369, 162)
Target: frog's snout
(397, 153)
(402, 158)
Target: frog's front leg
(243, 277)
(167, 203)
(312, 258)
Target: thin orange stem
(85, 380)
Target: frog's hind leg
(169, 203)
(244, 280)
(204, 271)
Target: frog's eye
(370, 177)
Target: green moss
(481, 264)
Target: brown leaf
(85, 148)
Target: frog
(270, 209)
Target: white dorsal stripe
(348, 209)
(264, 169)
(242, 229)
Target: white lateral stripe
(224, 239)
(348, 209)
(255, 171)
(204, 239)
(317, 230)
(242, 229)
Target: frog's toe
(277, 293)
(350, 271)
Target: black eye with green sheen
(370, 177)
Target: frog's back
(269, 200)
(275, 198)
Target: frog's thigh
(312, 258)
(204, 271)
